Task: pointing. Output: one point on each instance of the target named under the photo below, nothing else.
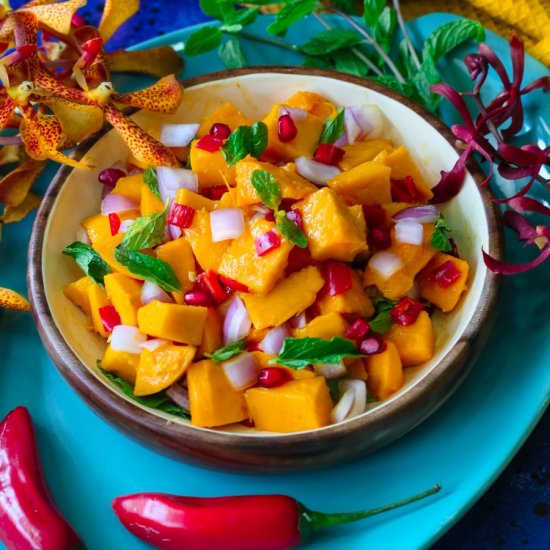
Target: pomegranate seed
(220, 130)
(267, 242)
(197, 298)
(338, 278)
(404, 190)
(270, 216)
(253, 345)
(77, 21)
(295, 216)
(406, 311)
(232, 284)
(114, 222)
(214, 193)
(208, 281)
(110, 176)
(209, 143)
(446, 274)
(109, 317)
(249, 423)
(328, 154)
(357, 331)
(380, 238)
(271, 377)
(181, 215)
(375, 216)
(286, 129)
(371, 345)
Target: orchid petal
(517, 222)
(542, 83)
(456, 99)
(55, 16)
(14, 214)
(493, 59)
(523, 156)
(15, 185)
(47, 82)
(10, 154)
(517, 53)
(513, 173)
(159, 62)
(503, 268)
(6, 110)
(451, 182)
(527, 204)
(116, 12)
(162, 97)
(9, 299)
(25, 28)
(519, 194)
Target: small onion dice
(343, 407)
(273, 340)
(113, 204)
(172, 179)
(359, 389)
(125, 225)
(295, 113)
(227, 223)
(241, 371)
(151, 291)
(127, 338)
(178, 135)
(421, 214)
(314, 171)
(179, 395)
(237, 322)
(331, 370)
(385, 264)
(409, 232)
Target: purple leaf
(503, 268)
(527, 204)
(451, 182)
(517, 222)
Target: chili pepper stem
(312, 521)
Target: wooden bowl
(75, 194)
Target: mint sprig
(245, 140)
(440, 241)
(146, 232)
(89, 261)
(333, 128)
(150, 179)
(225, 353)
(382, 320)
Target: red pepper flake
(372, 345)
(328, 154)
(267, 242)
(405, 190)
(109, 317)
(209, 283)
(295, 216)
(380, 238)
(406, 311)
(357, 331)
(232, 284)
(286, 129)
(114, 223)
(220, 130)
(446, 274)
(338, 278)
(197, 298)
(209, 143)
(271, 377)
(214, 193)
(181, 215)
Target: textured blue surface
(463, 446)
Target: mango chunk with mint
(385, 372)
(242, 263)
(289, 297)
(358, 152)
(179, 323)
(77, 293)
(332, 231)
(210, 167)
(149, 204)
(212, 400)
(121, 363)
(296, 406)
(179, 255)
(354, 301)
(227, 113)
(130, 187)
(105, 247)
(160, 368)
(125, 295)
(415, 342)
(97, 298)
(324, 326)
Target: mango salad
(283, 278)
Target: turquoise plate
(463, 446)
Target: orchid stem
(401, 22)
(269, 41)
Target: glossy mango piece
(362, 151)
(359, 216)
(149, 204)
(212, 337)
(210, 167)
(130, 187)
(77, 293)
(227, 113)
(194, 200)
(121, 363)
(295, 406)
(324, 326)
(179, 323)
(212, 400)
(402, 165)
(242, 263)
(98, 227)
(331, 229)
(98, 299)
(105, 247)
(125, 295)
(445, 298)
(385, 372)
(160, 368)
(354, 301)
(414, 343)
(290, 296)
(313, 103)
(179, 255)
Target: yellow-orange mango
(290, 296)
(210, 167)
(179, 255)
(402, 165)
(125, 295)
(227, 113)
(212, 336)
(293, 407)
(130, 187)
(362, 151)
(313, 103)
(357, 369)
(121, 363)
(385, 372)
(212, 400)
(98, 227)
(354, 300)
(414, 343)
(324, 326)
(149, 203)
(98, 299)
(77, 292)
(194, 200)
(357, 212)
(160, 368)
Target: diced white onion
(152, 345)
(343, 407)
(151, 291)
(127, 338)
(82, 236)
(409, 232)
(174, 231)
(298, 321)
(273, 340)
(178, 135)
(295, 113)
(369, 119)
(113, 203)
(236, 323)
(314, 171)
(421, 214)
(125, 225)
(227, 223)
(359, 389)
(172, 179)
(331, 370)
(179, 395)
(242, 371)
(385, 263)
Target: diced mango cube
(98, 299)
(130, 187)
(194, 200)
(121, 363)
(402, 165)
(313, 103)
(362, 151)
(293, 407)
(290, 296)
(210, 167)
(354, 300)
(149, 203)
(227, 113)
(212, 399)
(357, 369)
(414, 343)
(212, 337)
(160, 368)
(77, 292)
(324, 326)
(125, 295)
(179, 255)
(242, 263)
(385, 372)
(183, 324)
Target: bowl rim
(146, 426)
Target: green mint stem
(270, 41)
(372, 42)
(401, 22)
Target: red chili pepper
(114, 223)
(375, 216)
(328, 154)
(446, 274)
(181, 215)
(220, 130)
(232, 284)
(29, 519)
(209, 143)
(271, 377)
(286, 128)
(249, 522)
(338, 278)
(209, 282)
(109, 317)
(406, 311)
(404, 190)
(214, 193)
(267, 242)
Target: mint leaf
(150, 179)
(267, 187)
(330, 41)
(216, 8)
(232, 54)
(372, 11)
(89, 261)
(333, 128)
(406, 59)
(151, 269)
(346, 61)
(298, 353)
(225, 353)
(258, 139)
(290, 230)
(245, 140)
(292, 12)
(159, 401)
(423, 79)
(440, 241)
(146, 232)
(382, 319)
(202, 41)
(384, 30)
(347, 6)
(241, 17)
